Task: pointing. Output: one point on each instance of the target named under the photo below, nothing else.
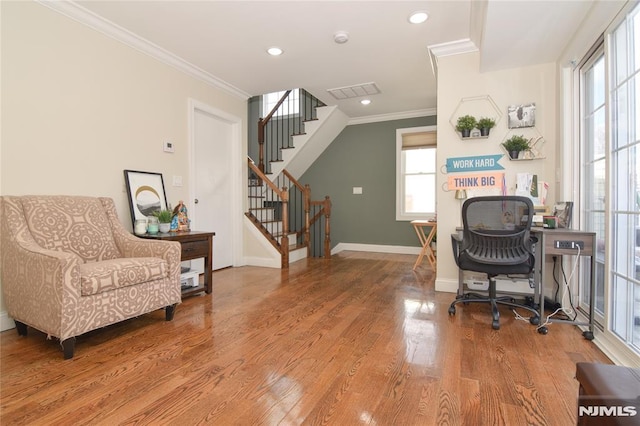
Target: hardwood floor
(360, 339)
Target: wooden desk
(425, 240)
(548, 245)
(194, 246)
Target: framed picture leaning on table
(146, 193)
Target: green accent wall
(363, 155)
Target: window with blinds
(416, 197)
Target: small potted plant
(164, 217)
(465, 125)
(515, 144)
(485, 124)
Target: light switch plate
(167, 146)
(357, 190)
(177, 181)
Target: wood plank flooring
(358, 340)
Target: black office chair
(495, 240)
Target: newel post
(284, 242)
(327, 227)
(307, 219)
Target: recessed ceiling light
(418, 17)
(274, 51)
(365, 101)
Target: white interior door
(213, 161)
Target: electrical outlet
(565, 244)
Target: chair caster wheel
(495, 325)
(452, 310)
(588, 335)
(543, 330)
(534, 320)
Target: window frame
(401, 215)
(293, 100)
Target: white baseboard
(375, 248)
(261, 261)
(6, 323)
(446, 285)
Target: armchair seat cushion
(97, 277)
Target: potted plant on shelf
(164, 217)
(515, 144)
(485, 124)
(465, 125)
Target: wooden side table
(194, 245)
(425, 240)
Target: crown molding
(84, 16)
(452, 48)
(393, 116)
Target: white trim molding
(376, 248)
(6, 322)
(394, 116)
(84, 16)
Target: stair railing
(285, 120)
(270, 206)
(320, 209)
(288, 201)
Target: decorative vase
(164, 227)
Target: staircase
(307, 147)
(279, 206)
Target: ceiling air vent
(357, 90)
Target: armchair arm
(37, 283)
(132, 246)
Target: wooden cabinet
(194, 246)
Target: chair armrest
(132, 246)
(456, 243)
(38, 282)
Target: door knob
(196, 201)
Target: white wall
(79, 107)
(459, 77)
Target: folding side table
(425, 240)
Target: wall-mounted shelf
(536, 141)
(477, 106)
(529, 155)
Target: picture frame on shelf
(146, 193)
(563, 212)
(519, 116)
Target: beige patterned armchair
(69, 267)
